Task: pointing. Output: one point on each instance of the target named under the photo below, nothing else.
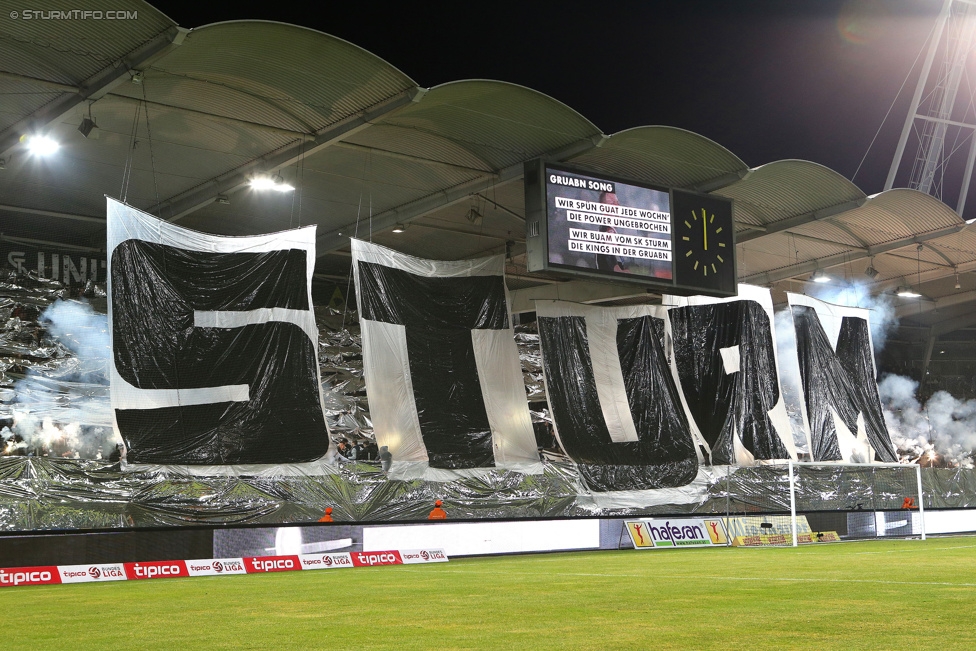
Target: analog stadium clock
(704, 243)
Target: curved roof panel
(498, 123)
(273, 74)
(898, 214)
(71, 50)
(663, 155)
(787, 189)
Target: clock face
(696, 229)
(704, 243)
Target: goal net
(860, 500)
(808, 503)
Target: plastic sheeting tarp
(725, 354)
(38, 493)
(214, 344)
(617, 411)
(442, 369)
(836, 357)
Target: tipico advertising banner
(58, 574)
(682, 532)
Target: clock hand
(705, 229)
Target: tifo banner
(686, 532)
(442, 370)
(616, 407)
(839, 377)
(55, 574)
(725, 354)
(214, 344)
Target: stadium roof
(186, 117)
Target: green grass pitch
(897, 594)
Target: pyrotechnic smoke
(854, 294)
(858, 294)
(945, 427)
(62, 405)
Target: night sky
(768, 79)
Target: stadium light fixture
(399, 228)
(906, 291)
(871, 272)
(275, 183)
(42, 145)
(86, 127)
(819, 276)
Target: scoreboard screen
(582, 224)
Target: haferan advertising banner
(684, 532)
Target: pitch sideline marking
(730, 578)
(902, 551)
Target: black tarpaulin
(442, 369)
(725, 356)
(839, 380)
(438, 315)
(618, 416)
(214, 345)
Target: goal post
(876, 499)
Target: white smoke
(62, 406)
(942, 431)
(857, 294)
(84, 332)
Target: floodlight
(958, 284)
(819, 276)
(222, 199)
(906, 291)
(271, 183)
(281, 186)
(3, 163)
(473, 215)
(399, 228)
(42, 145)
(871, 272)
(137, 77)
(87, 126)
(262, 183)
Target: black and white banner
(214, 344)
(839, 377)
(445, 387)
(616, 407)
(725, 354)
